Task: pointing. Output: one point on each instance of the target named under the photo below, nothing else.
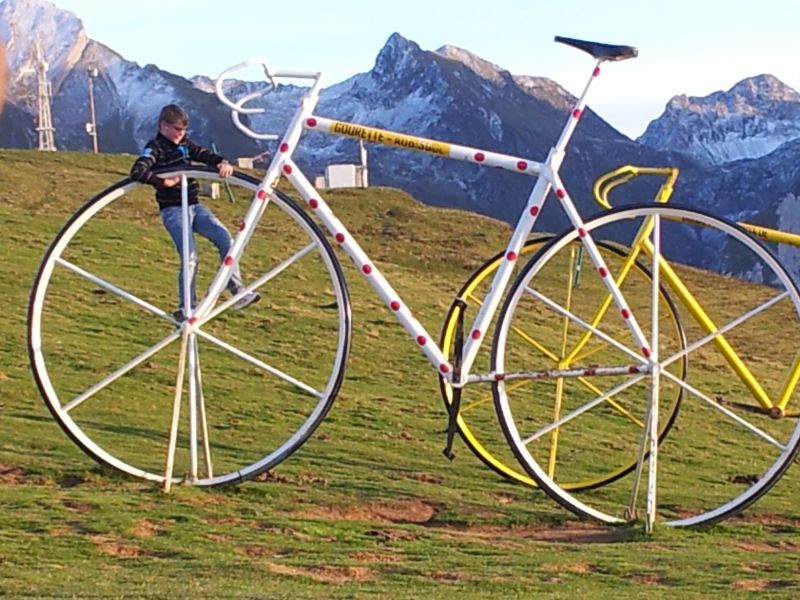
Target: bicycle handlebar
(622, 175)
(237, 107)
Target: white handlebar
(237, 107)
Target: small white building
(343, 176)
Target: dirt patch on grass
(396, 511)
(324, 573)
(412, 511)
(375, 557)
(257, 551)
(16, 475)
(760, 585)
(576, 532)
(760, 546)
(448, 576)
(78, 506)
(579, 568)
(145, 528)
(650, 578)
(113, 546)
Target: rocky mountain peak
(397, 55)
(749, 120)
(482, 68)
(764, 88)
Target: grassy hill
(367, 507)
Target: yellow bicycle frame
(611, 180)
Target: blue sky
(691, 47)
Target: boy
(171, 148)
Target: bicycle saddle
(600, 51)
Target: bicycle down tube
(547, 173)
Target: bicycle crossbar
(419, 144)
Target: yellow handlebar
(605, 183)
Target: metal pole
(92, 126)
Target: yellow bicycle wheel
(477, 422)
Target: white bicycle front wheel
(110, 358)
(739, 309)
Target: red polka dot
(261, 194)
(480, 157)
(313, 203)
(590, 372)
(444, 368)
(192, 320)
(367, 269)
(646, 352)
(581, 232)
(241, 226)
(626, 314)
(421, 340)
(561, 193)
(284, 147)
(287, 169)
(596, 72)
(395, 305)
(476, 334)
(522, 165)
(633, 369)
(602, 271)
(499, 377)
(340, 238)
(511, 256)
(228, 261)
(311, 122)
(576, 113)
(534, 210)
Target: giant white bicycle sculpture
(586, 377)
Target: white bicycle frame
(547, 179)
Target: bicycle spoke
(728, 413)
(585, 325)
(126, 368)
(260, 364)
(579, 411)
(114, 289)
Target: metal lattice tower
(44, 121)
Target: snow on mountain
(750, 120)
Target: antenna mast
(44, 122)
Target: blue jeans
(205, 223)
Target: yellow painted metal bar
(773, 235)
(606, 183)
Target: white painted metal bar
(579, 411)
(176, 414)
(261, 365)
(730, 414)
(134, 362)
(655, 380)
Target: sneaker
(246, 300)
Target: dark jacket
(160, 153)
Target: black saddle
(600, 51)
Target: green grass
(368, 507)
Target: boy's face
(174, 132)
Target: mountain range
(737, 149)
